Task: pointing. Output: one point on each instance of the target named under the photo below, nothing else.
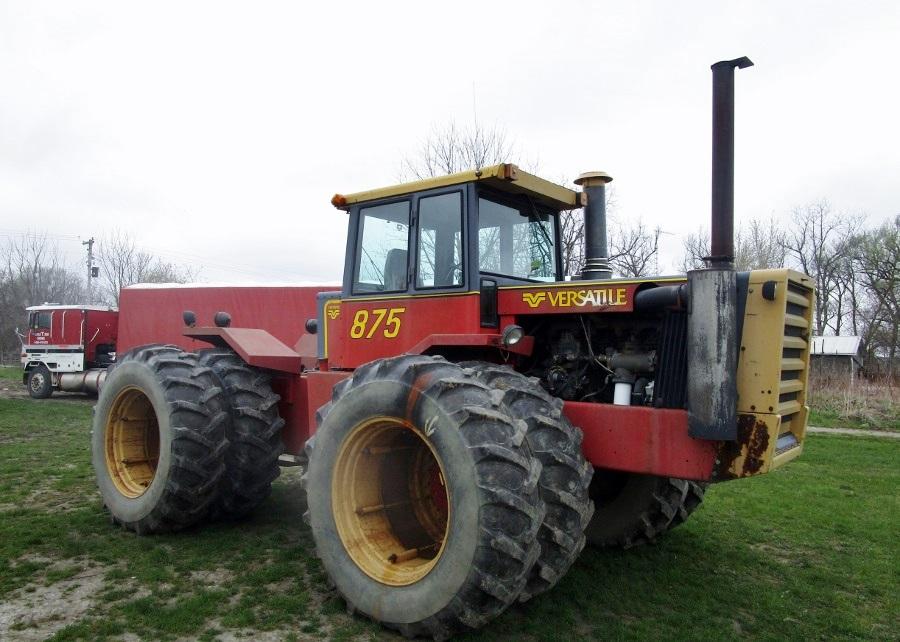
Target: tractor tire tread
(493, 438)
(565, 476)
(667, 505)
(197, 444)
(254, 433)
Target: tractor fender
(255, 346)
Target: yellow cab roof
(504, 177)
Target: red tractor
(466, 419)
(67, 348)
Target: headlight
(512, 334)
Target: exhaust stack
(712, 341)
(721, 247)
(593, 199)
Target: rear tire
(253, 433)
(40, 382)
(565, 475)
(633, 509)
(431, 566)
(158, 440)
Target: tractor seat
(395, 270)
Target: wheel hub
(390, 501)
(132, 442)
(37, 381)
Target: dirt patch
(19, 392)
(213, 578)
(36, 612)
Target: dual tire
(430, 502)
(172, 442)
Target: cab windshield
(516, 243)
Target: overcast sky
(216, 133)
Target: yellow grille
(794, 363)
(773, 368)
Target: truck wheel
(565, 476)
(40, 382)
(633, 509)
(253, 432)
(158, 440)
(423, 496)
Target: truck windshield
(515, 243)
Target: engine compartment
(636, 359)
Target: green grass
(11, 374)
(807, 552)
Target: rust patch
(418, 385)
(752, 435)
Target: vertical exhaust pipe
(722, 233)
(712, 348)
(593, 199)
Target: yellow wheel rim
(390, 501)
(132, 442)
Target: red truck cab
(65, 342)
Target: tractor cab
(449, 233)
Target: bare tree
(696, 249)
(449, 149)
(32, 272)
(758, 245)
(818, 242)
(876, 259)
(123, 263)
(571, 232)
(634, 249)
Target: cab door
(407, 281)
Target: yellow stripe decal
(399, 296)
(576, 284)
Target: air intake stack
(712, 348)
(593, 199)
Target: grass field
(10, 374)
(868, 404)
(808, 552)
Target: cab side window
(439, 262)
(40, 320)
(381, 257)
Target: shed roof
(848, 346)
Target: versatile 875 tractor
(466, 419)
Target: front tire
(40, 382)
(423, 497)
(158, 440)
(565, 474)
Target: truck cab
(63, 340)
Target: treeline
(33, 272)
(856, 270)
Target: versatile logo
(334, 313)
(577, 298)
(533, 299)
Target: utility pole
(90, 268)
